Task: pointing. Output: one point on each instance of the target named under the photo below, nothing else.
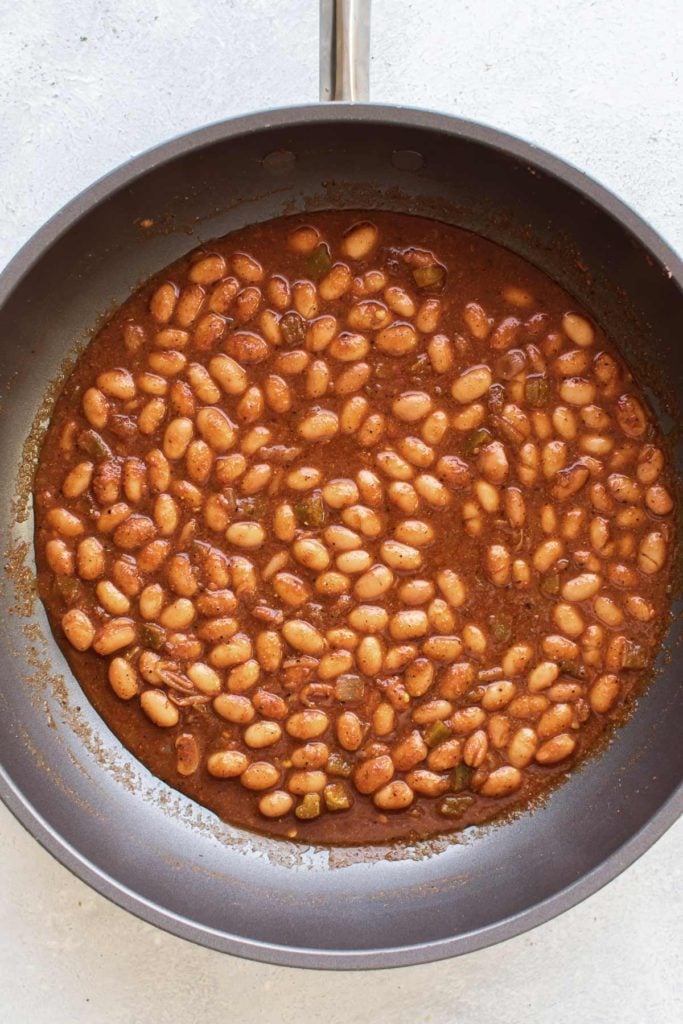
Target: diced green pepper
(253, 507)
(435, 733)
(319, 262)
(336, 797)
(338, 765)
(68, 588)
(310, 511)
(152, 636)
(309, 807)
(349, 689)
(455, 806)
(476, 439)
(292, 327)
(429, 277)
(90, 442)
(572, 668)
(460, 777)
(496, 397)
(537, 391)
(501, 627)
(550, 584)
(634, 657)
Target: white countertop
(86, 83)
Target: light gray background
(84, 85)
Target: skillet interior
(68, 778)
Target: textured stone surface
(84, 84)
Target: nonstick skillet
(69, 780)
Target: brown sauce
(354, 529)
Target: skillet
(69, 780)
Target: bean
(412, 406)
(275, 804)
(236, 651)
(475, 749)
(260, 775)
(419, 677)
(395, 660)
(123, 678)
(205, 679)
(608, 611)
(478, 322)
(208, 269)
(371, 430)
(78, 629)
(397, 340)
(639, 609)
(408, 624)
(246, 535)
(111, 598)
(555, 720)
(262, 734)
(377, 581)
(498, 563)
(652, 553)
(229, 764)
(304, 637)
(369, 655)
(159, 709)
(235, 708)
(353, 561)
(522, 747)
(163, 301)
(472, 384)
(360, 240)
(444, 757)
(335, 283)
(502, 781)
(440, 352)
(374, 773)
(303, 239)
(452, 587)
(442, 648)
(363, 519)
(582, 587)
(113, 636)
(245, 675)
(320, 425)
(349, 730)
(578, 330)
(64, 522)
(95, 408)
(658, 500)
(604, 693)
(368, 618)
(60, 558)
(498, 694)
(304, 478)
(416, 452)
(302, 782)
(474, 638)
(556, 749)
(428, 316)
(432, 490)
(395, 796)
(409, 752)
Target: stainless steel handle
(345, 50)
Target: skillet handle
(345, 50)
